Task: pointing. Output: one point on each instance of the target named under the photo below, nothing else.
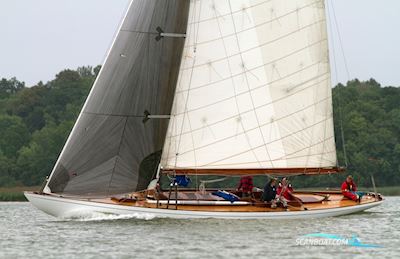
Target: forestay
(254, 88)
(110, 149)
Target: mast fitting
(162, 34)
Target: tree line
(35, 123)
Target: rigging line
(196, 35)
(280, 158)
(265, 124)
(188, 118)
(263, 44)
(238, 11)
(251, 110)
(171, 128)
(190, 83)
(248, 29)
(270, 142)
(234, 88)
(91, 93)
(194, 151)
(338, 92)
(329, 118)
(263, 86)
(315, 17)
(254, 68)
(340, 41)
(333, 46)
(241, 153)
(247, 83)
(264, 161)
(174, 126)
(252, 129)
(328, 87)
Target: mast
(254, 90)
(111, 150)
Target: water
(26, 232)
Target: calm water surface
(26, 232)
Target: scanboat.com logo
(322, 239)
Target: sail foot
(272, 171)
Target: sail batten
(254, 88)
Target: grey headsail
(112, 148)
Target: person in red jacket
(285, 194)
(286, 188)
(246, 185)
(349, 189)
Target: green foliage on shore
(15, 193)
(35, 122)
(371, 124)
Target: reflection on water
(28, 232)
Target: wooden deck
(334, 200)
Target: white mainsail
(254, 88)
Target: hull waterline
(66, 207)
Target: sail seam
(248, 85)
(261, 106)
(88, 161)
(259, 87)
(257, 67)
(250, 7)
(286, 157)
(228, 14)
(263, 44)
(296, 88)
(246, 151)
(255, 26)
(262, 161)
(234, 90)
(266, 143)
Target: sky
(39, 38)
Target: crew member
(246, 186)
(349, 190)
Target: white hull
(65, 207)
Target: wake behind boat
(199, 89)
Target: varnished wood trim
(238, 172)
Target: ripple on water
(28, 232)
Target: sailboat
(200, 88)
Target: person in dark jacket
(269, 193)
